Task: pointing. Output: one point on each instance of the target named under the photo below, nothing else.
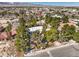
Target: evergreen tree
(8, 30)
(22, 37)
(9, 27)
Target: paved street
(69, 50)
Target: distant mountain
(18, 4)
(10, 4)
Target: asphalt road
(69, 50)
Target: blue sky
(58, 3)
(43, 2)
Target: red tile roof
(3, 35)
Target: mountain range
(18, 4)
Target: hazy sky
(58, 3)
(46, 3)
(39, 0)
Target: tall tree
(9, 27)
(8, 30)
(22, 37)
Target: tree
(65, 19)
(78, 23)
(22, 37)
(48, 18)
(55, 22)
(8, 30)
(17, 14)
(51, 35)
(67, 32)
(73, 16)
(32, 22)
(44, 28)
(3, 13)
(9, 27)
(76, 36)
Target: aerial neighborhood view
(39, 29)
